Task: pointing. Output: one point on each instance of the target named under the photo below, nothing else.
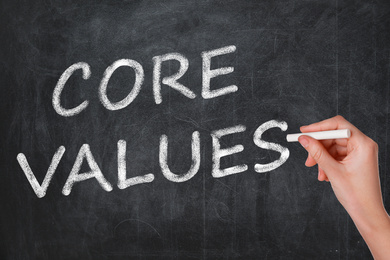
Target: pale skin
(351, 167)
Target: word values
(85, 154)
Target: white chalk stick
(322, 135)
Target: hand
(351, 166)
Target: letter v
(40, 190)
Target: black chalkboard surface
(132, 129)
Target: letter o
(139, 78)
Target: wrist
(371, 223)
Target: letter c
(60, 86)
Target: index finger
(334, 123)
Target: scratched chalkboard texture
(294, 61)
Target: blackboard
(296, 62)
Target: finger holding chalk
(321, 135)
(335, 123)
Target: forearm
(375, 229)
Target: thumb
(318, 152)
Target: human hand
(351, 166)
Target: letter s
(284, 152)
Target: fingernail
(303, 141)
